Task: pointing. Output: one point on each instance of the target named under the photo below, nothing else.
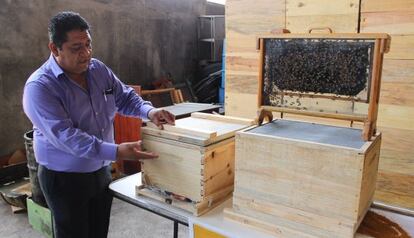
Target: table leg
(175, 235)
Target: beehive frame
(362, 107)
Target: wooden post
(369, 124)
(261, 65)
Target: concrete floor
(127, 221)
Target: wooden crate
(299, 179)
(195, 168)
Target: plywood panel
(395, 188)
(387, 5)
(338, 23)
(242, 83)
(397, 151)
(261, 21)
(398, 71)
(395, 116)
(240, 44)
(218, 171)
(339, 15)
(397, 93)
(395, 22)
(240, 63)
(185, 162)
(245, 19)
(401, 47)
(241, 104)
(396, 177)
(281, 217)
(321, 7)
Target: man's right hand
(133, 150)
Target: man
(72, 100)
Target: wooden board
(395, 189)
(398, 94)
(200, 129)
(177, 169)
(198, 208)
(392, 22)
(396, 116)
(397, 20)
(181, 110)
(398, 71)
(244, 20)
(395, 178)
(338, 23)
(241, 104)
(401, 47)
(272, 218)
(397, 152)
(340, 16)
(218, 167)
(386, 5)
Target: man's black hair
(64, 22)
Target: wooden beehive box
(195, 168)
(301, 179)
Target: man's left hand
(160, 117)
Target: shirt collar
(57, 70)
(54, 67)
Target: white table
(124, 189)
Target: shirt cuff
(144, 110)
(108, 151)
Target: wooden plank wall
(395, 183)
(245, 19)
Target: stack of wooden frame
(195, 168)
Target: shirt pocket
(110, 106)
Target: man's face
(76, 52)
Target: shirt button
(103, 130)
(96, 113)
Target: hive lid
(312, 132)
(323, 75)
(200, 129)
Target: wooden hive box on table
(302, 179)
(195, 167)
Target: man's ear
(53, 48)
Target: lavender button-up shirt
(73, 127)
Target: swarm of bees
(321, 66)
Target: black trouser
(80, 202)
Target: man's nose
(85, 51)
